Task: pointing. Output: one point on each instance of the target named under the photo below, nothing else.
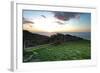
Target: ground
(72, 50)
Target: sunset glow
(47, 22)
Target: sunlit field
(72, 50)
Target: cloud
(25, 21)
(65, 16)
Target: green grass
(75, 50)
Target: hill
(33, 39)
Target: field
(72, 50)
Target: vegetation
(71, 50)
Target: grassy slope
(75, 50)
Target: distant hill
(32, 39)
(29, 35)
(72, 38)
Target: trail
(36, 47)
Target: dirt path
(36, 47)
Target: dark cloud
(43, 16)
(65, 16)
(27, 21)
(61, 23)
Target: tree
(57, 39)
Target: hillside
(70, 50)
(33, 39)
(57, 47)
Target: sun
(47, 25)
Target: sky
(56, 21)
